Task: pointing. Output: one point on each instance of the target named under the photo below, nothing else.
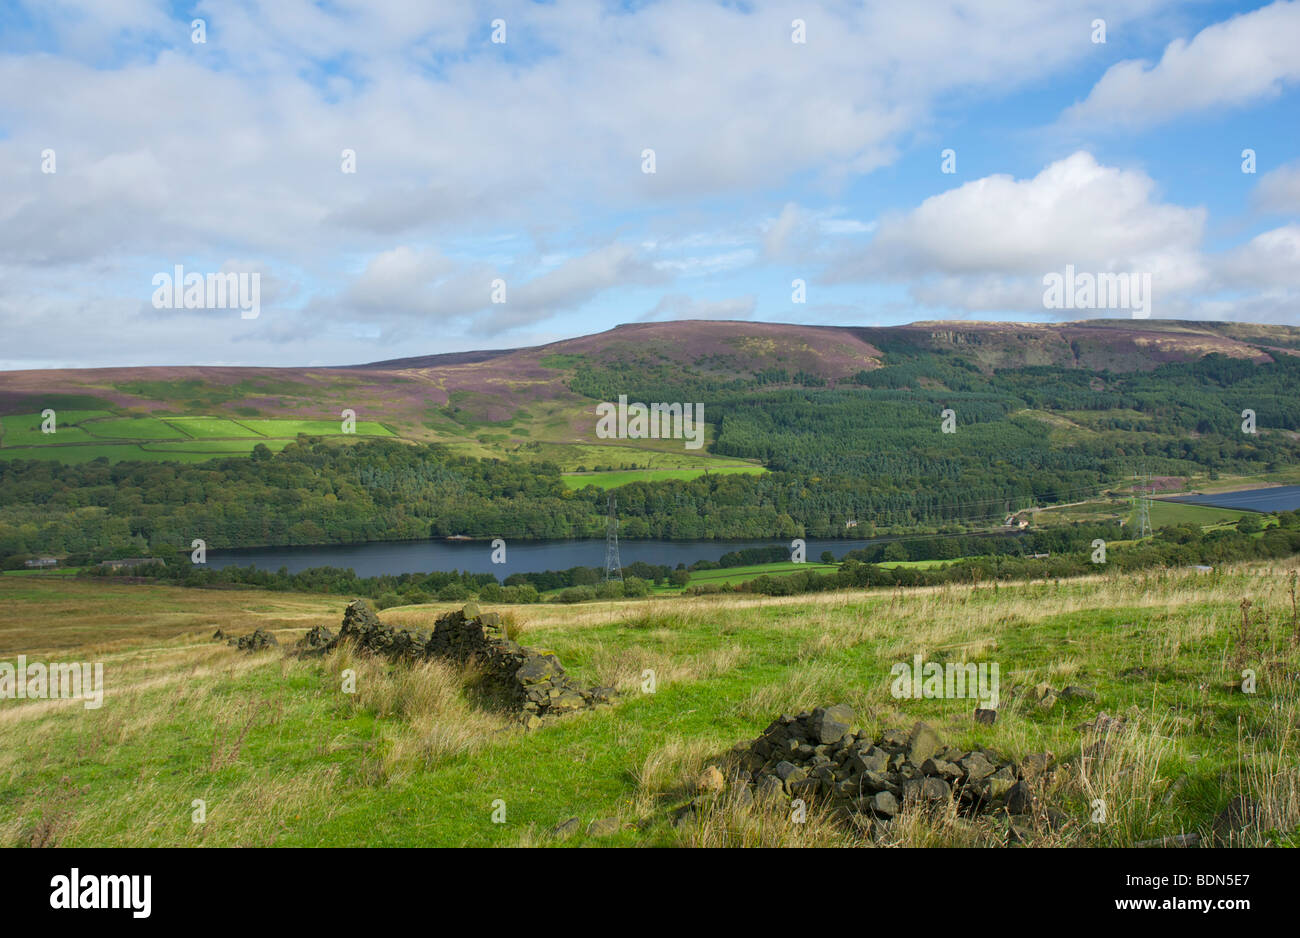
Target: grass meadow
(281, 756)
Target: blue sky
(521, 161)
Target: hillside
(281, 757)
(533, 401)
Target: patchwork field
(81, 436)
(282, 757)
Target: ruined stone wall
(524, 679)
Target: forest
(862, 458)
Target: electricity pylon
(613, 569)
(1142, 504)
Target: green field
(291, 428)
(184, 451)
(25, 429)
(610, 480)
(132, 428)
(83, 436)
(1167, 513)
(210, 427)
(282, 757)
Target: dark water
(1278, 498)
(394, 557)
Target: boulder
(603, 827)
(711, 780)
(922, 743)
(565, 828)
(830, 724)
(926, 789)
(883, 803)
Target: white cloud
(1268, 260)
(1240, 61)
(1076, 211)
(681, 306)
(1279, 191)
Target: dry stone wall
(526, 680)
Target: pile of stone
(316, 641)
(524, 679)
(822, 757)
(259, 640)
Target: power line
(613, 568)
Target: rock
(872, 759)
(883, 803)
(1047, 702)
(1042, 690)
(1020, 800)
(529, 681)
(926, 789)
(603, 827)
(881, 781)
(784, 770)
(1075, 692)
(259, 640)
(318, 639)
(711, 780)
(1102, 725)
(565, 828)
(922, 743)
(1000, 782)
(864, 783)
(894, 739)
(977, 766)
(1034, 765)
(941, 769)
(985, 717)
(829, 724)
(805, 788)
(538, 668)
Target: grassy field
(1167, 513)
(282, 757)
(610, 480)
(82, 436)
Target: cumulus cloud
(1279, 191)
(1240, 61)
(1268, 260)
(1076, 211)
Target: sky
(414, 178)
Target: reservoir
(394, 557)
(1275, 498)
